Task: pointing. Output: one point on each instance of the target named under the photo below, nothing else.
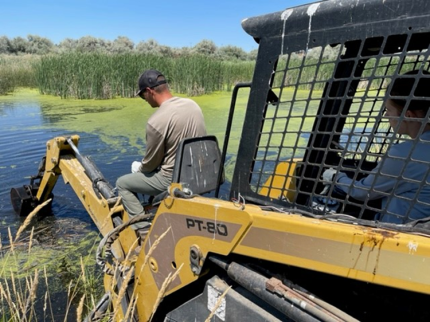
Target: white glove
(135, 166)
(328, 175)
(325, 190)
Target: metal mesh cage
(330, 113)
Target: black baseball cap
(149, 79)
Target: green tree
(232, 52)
(4, 45)
(121, 45)
(18, 45)
(39, 45)
(179, 52)
(151, 46)
(88, 44)
(67, 45)
(166, 51)
(205, 47)
(252, 55)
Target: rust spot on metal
(375, 238)
(373, 241)
(377, 231)
(377, 257)
(386, 233)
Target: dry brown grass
(217, 304)
(169, 279)
(19, 294)
(30, 217)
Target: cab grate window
(330, 114)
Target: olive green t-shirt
(176, 119)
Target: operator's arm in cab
(401, 178)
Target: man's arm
(154, 152)
(383, 179)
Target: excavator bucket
(22, 200)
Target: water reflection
(24, 131)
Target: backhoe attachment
(26, 198)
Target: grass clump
(43, 283)
(17, 71)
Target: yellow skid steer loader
(288, 244)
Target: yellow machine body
(286, 244)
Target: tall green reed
(16, 71)
(103, 76)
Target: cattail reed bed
(17, 71)
(103, 76)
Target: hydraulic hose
(293, 304)
(256, 284)
(100, 185)
(109, 239)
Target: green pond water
(112, 133)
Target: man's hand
(135, 166)
(328, 175)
